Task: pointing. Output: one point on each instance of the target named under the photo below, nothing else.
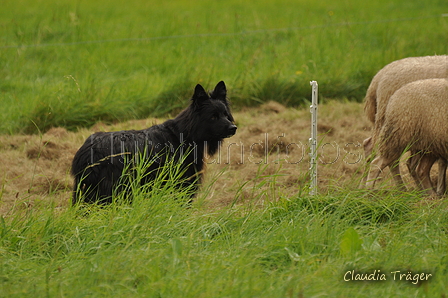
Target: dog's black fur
(196, 131)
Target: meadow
(70, 64)
(69, 68)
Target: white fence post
(313, 139)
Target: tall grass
(295, 247)
(70, 64)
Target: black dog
(198, 130)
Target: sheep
(397, 74)
(383, 85)
(416, 119)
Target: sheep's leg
(412, 164)
(441, 182)
(423, 173)
(368, 148)
(395, 170)
(376, 167)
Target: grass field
(71, 68)
(72, 63)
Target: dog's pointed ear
(220, 91)
(199, 94)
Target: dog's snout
(232, 129)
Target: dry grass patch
(266, 159)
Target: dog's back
(100, 162)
